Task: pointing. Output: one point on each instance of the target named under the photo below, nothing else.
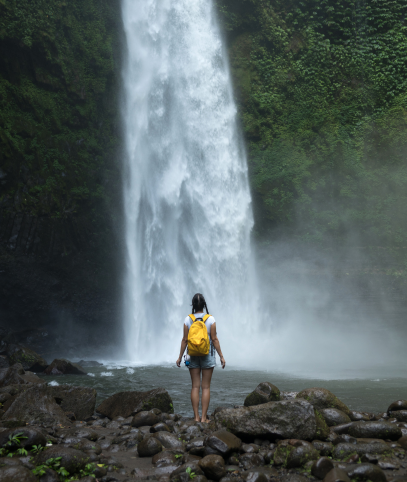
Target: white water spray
(187, 199)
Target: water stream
(186, 194)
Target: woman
(205, 363)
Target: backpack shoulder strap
(206, 317)
(192, 317)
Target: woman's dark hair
(199, 303)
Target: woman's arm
(216, 344)
(184, 343)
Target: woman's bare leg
(206, 392)
(196, 385)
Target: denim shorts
(205, 361)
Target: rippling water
(373, 391)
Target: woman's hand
(178, 362)
(223, 362)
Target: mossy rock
(265, 392)
(29, 359)
(322, 431)
(321, 398)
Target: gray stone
(337, 475)
(400, 415)
(29, 359)
(149, 447)
(324, 448)
(358, 416)
(333, 416)
(196, 446)
(29, 436)
(224, 442)
(169, 441)
(344, 450)
(73, 460)
(126, 404)
(285, 419)
(265, 392)
(301, 455)
(165, 459)
(16, 473)
(61, 366)
(160, 427)
(321, 467)
(396, 406)
(380, 430)
(213, 467)
(251, 460)
(322, 398)
(79, 400)
(268, 472)
(145, 418)
(252, 476)
(345, 438)
(36, 404)
(366, 472)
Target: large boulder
(286, 419)
(29, 359)
(224, 442)
(379, 430)
(333, 416)
(73, 460)
(16, 375)
(60, 366)
(144, 419)
(265, 392)
(396, 406)
(36, 404)
(79, 400)
(322, 398)
(29, 436)
(213, 467)
(126, 404)
(14, 473)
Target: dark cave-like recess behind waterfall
(321, 94)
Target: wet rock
(143, 419)
(224, 442)
(265, 392)
(29, 436)
(213, 467)
(60, 366)
(79, 400)
(90, 363)
(388, 463)
(288, 395)
(286, 419)
(269, 456)
(51, 476)
(337, 475)
(400, 415)
(345, 438)
(324, 448)
(403, 442)
(160, 427)
(196, 446)
(149, 447)
(333, 416)
(29, 359)
(251, 460)
(73, 460)
(252, 476)
(282, 452)
(37, 405)
(126, 404)
(165, 459)
(181, 475)
(268, 472)
(84, 432)
(88, 446)
(16, 375)
(344, 450)
(233, 460)
(210, 451)
(322, 398)
(358, 416)
(301, 455)
(16, 473)
(294, 478)
(342, 429)
(365, 472)
(187, 458)
(322, 430)
(250, 449)
(321, 467)
(169, 441)
(396, 406)
(380, 430)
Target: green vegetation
(321, 87)
(58, 109)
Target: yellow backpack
(198, 339)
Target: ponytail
(199, 303)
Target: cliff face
(59, 163)
(321, 90)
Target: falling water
(186, 193)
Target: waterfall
(186, 193)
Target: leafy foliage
(321, 87)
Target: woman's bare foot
(206, 420)
(197, 419)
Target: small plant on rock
(191, 474)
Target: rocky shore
(57, 433)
